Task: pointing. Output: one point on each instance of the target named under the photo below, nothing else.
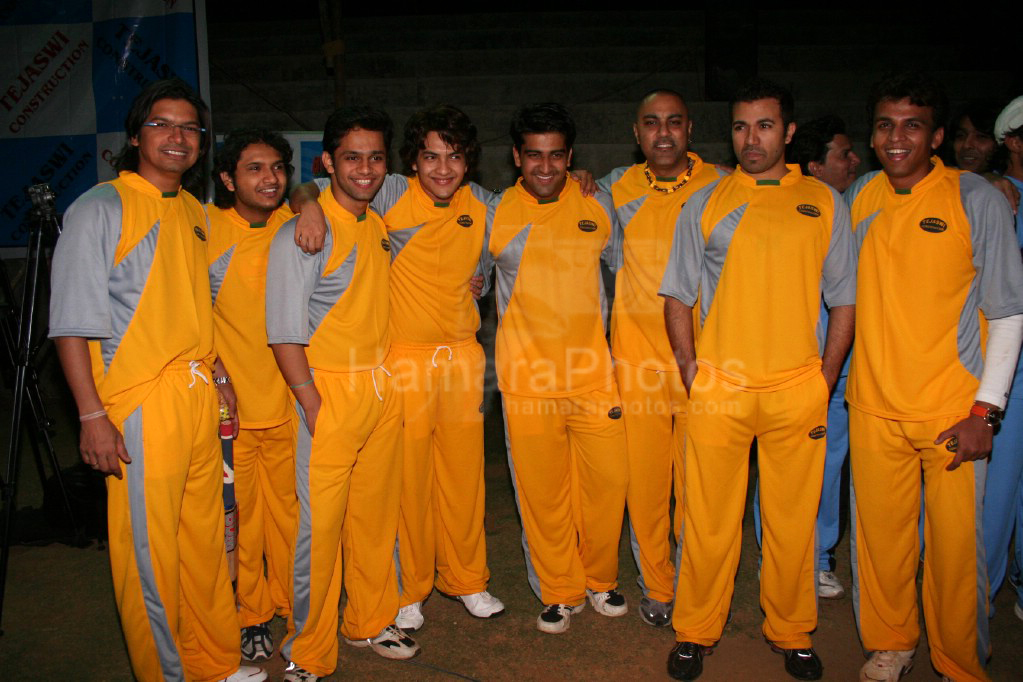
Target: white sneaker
(887, 666)
(295, 674)
(410, 618)
(482, 605)
(390, 643)
(828, 586)
(246, 673)
(610, 603)
(554, 618)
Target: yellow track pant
(789, 427)
(264, 487)
(567, 457)
(166, 523)
(440, 531)
(653, 405)
(348, 481)
(887, 459)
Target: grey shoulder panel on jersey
(605, 183)
(291, 279)
(482, 194)
(82, 261)
(218, 270)
(391, 191)
(851, 192)
(508, 262)
(399, 238)
(681, 278)
(838, 276)
(996, 254)
(330, 289)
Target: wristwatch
(992, 415)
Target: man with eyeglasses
(131, 318)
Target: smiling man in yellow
(562, 412)
(758, 248)
(937, 338)
(250, 177)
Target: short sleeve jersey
(760, 253)
(238, 254)
(550, 296)
(646, 217)
(129, 273)
(335, 301)
(935, 261)
(435, 250)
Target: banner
(69, 71)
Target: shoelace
(193, 369)
(433, 360)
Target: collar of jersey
(333, 210)
(792, 177)
(666, 184)
(524, 193)
(424, 199)
(926, 183)
(136, 181)
(238, 220)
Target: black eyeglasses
(166, 127)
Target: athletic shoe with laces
(295, 674)
(257, 642)
(828, 586)
(887, 666)
(653, 612)
(685, 662)
(610, 603)
(802, 664)
(390, 643)
(246, 673)
(554, 618)
(482, 605)
(410, 618)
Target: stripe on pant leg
(303, 540)
(983, 636)
(531, 576)
(156, 614)
(853, 560)
(634, 544)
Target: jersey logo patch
(818, 432)
(588, 226)
(809, 210)
(464, 220)
(385, 244)
(615, 412)
(199, 233)
(934, 225)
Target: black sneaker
(802, 664)
(685, 662)
(257, 642)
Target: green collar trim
(768, 182)
(169, 195)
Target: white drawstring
(373, 373)
(433, 360)
(193, 369)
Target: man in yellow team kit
(436, 223)
(759, 249)
(562, 412)
(326, 320)
(939, 271)
(130, 314)
(250, 177)
(648, 197)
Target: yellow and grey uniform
(264, 451)
(129, 274)
(347, 464)
(759, 253)
(562, 412)
(936, 262)
(435, 250)
(653, 397)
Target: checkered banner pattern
(69, 70)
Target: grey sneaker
(887, 666)
(656, 613)
(257, 642)
(828, 586)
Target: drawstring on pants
(433, 359)
(373, 373)
(193, 369)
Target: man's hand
(476, 286)
(102, 446)
(831, 377)
(972, 438)
(309, 399)
(311, 228)
(688, 371)
(587, 185)
(1006, 187)
(229, 398)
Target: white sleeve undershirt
(1004, 336)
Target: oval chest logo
(934, 225)
(385, 244)
(809, 210)
(588, 226)
(615, 412)
(199, 233)
(464, 220)
(818, 432)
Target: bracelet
(220, 381)
(304, 383)
(92, 415)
